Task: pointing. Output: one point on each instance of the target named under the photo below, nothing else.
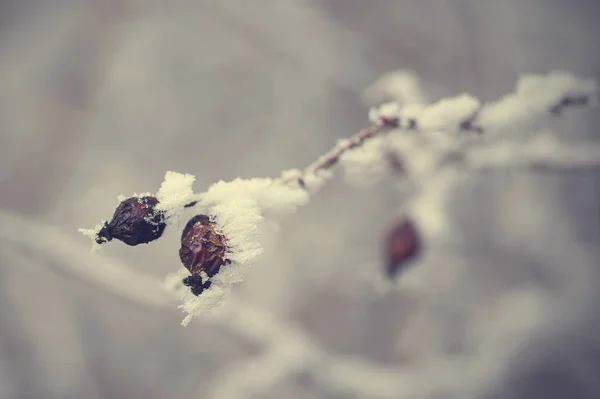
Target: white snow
(175, 192)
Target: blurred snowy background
(101, 98)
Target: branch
(333, 156)
(534, 97)
(472, 124)
(236, 214)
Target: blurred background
(100, 98)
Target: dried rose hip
(202, 250)
(135, 221)
(402, 245)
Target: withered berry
(135, 221)
(402, 245)
(202, 247)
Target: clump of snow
(447, 113)
(391, 110)
(534, 97)
(174, 192)
(310, 180)
(314, 181)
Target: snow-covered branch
(426, 142)
(535, 97)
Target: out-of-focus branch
(535, 97)
(424, 140)
(106, 272)
(537, 155)
(471, 123)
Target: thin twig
(333, 156)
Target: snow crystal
(175, 192)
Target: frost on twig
(534, 98)
(429, 136)
(320, 167)
(430, 146)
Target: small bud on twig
(402, 245)
(135, 221)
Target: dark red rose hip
(135, 221)
(402, 245)
(202, 250)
